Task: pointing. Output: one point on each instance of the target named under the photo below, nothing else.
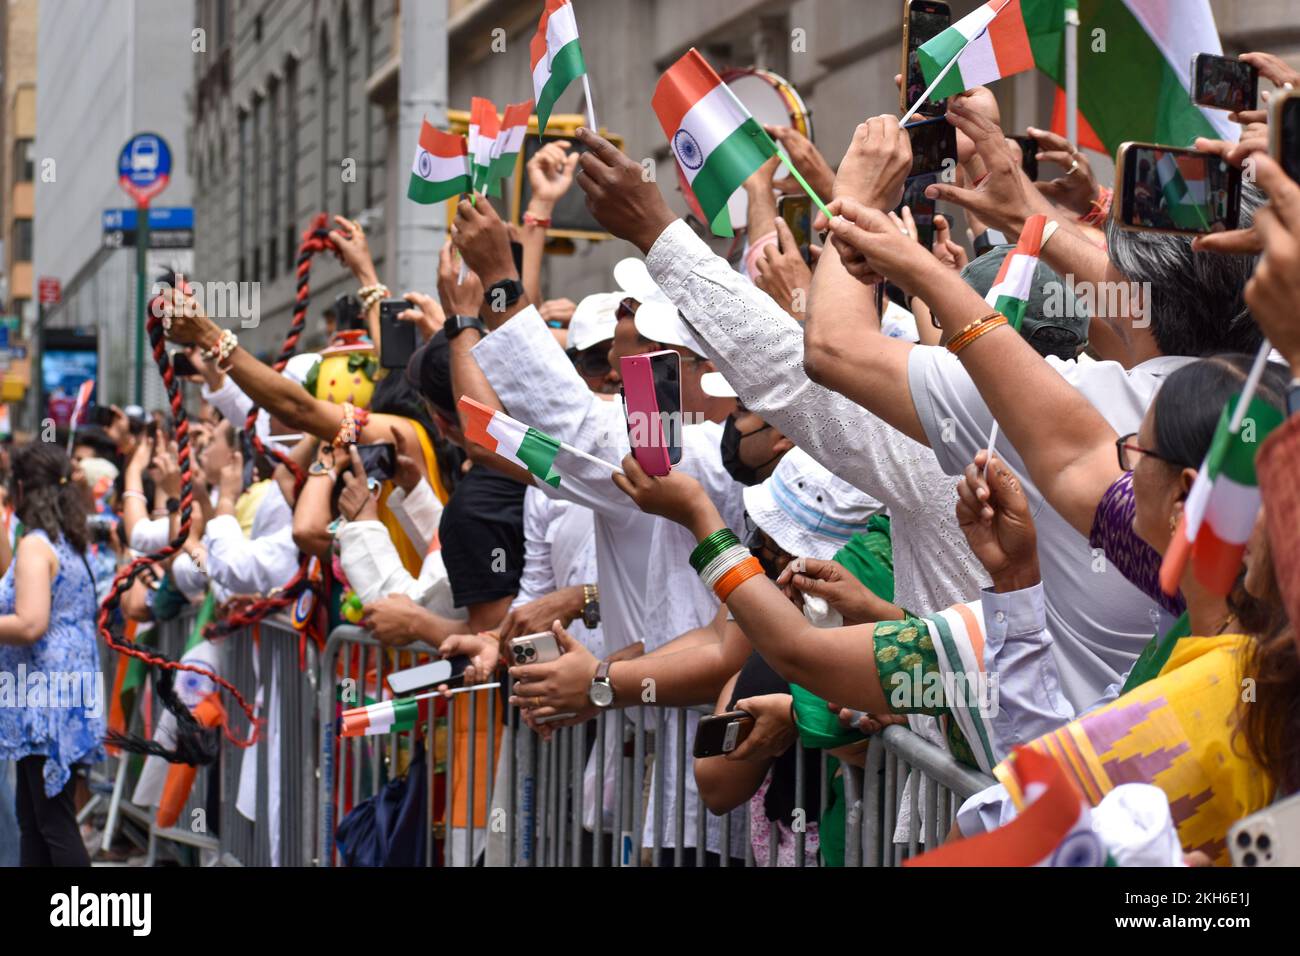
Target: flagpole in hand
(944, 72)
(591, 109)
(1251, 387)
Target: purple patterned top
(1112, 532)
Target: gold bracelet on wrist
(984, 328)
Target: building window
(323, 90)
(345, 106)
(22, 240)
(244, 240)
(259, 112)
(368, 111)
(24, 161)
(273, 202)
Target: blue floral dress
(71, 732)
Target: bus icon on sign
(144, 155)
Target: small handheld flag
(530, 449)
(717, 142)
(1221, 508)
(484, 128)
(555, 57)
(514, 126)
(441, 167)
(1053, 828)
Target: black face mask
(731, 439)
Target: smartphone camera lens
(1263, 843)
(1243, 839)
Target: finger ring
(537, 702)
(1074, 167)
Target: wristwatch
(601, 692)
(590, 606)
(319, 469)
(511, 291)
(1293, 397)
(457, 324)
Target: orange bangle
(736, 576)
(971, 328)
(957, 347)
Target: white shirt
(759, 350)
(1099, 620)
(267, 559)
(648, 590)
(559, 552)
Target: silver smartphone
(539, 648)
(1270, 837)
(420, 677)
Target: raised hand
(619, 195)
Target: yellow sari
(1179, 732)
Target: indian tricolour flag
(1184, 188)
(514, 441)
(441, 168)
(1222, 506)
(389, 716)
(1010, 292)
(718, 144)
(514, 127)
(1053, 825)
(556, 57)
(484, 128)
(988, 44)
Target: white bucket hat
(657, 319)
(806, 510)
(715, 386)
(594, 320)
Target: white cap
(633, 278)
(657, 318)
(594, 320)
(715, 386)
(806, 510)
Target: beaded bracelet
(711, 547)
(222, 349)
(371, 295)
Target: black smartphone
(923, 20)
(182, 365)
(1028, 156)
(396, 338)
(934, 146)
(722, 733)
(1164, 189)
(379, 460)
(797, 211)
(1284, 131)
(923, 208)
(1222, 83)
(101, 415)
(347, 313)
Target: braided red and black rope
(126, 577)
(245, 613)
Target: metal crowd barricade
(531, 802)
(211, 822)
(905, 777)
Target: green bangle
(711, 547)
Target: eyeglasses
(1125, 449)
(593, 362)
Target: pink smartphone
(652, 401)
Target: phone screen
(380, 460)
(923, 208)
(1223, 83)
(797, 213)
(925, 21)
(1028, 156)
(934, 146)
(1179, 191)
(182, 365)
(1288, 133)
(396, 338)
(667, 372)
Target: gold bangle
(957, 347)
(972, 327)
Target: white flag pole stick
(988, 455)
(1252, 385)
(591, 109)
(591, 458)
(1072, 76)
(944, 72)
(427, 696)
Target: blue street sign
(161, 218)
(144, 167)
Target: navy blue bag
(390, 828)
